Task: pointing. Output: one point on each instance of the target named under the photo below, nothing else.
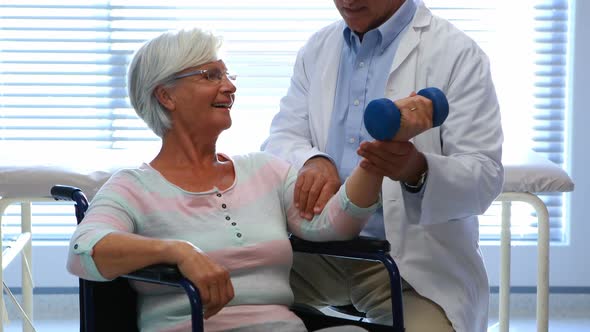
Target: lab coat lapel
(330, 61)
(411, 38)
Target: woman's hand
(416, 116)
(399, 159)
(212, 280)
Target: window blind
(63, 64)
(550, 93)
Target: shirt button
(75, 246)
(356, 102)
(361, 64)
(227, 218)
(233, 223)
(351, 140)
(239, 235)
(223, 205)
(218, 195)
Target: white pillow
(530, 172)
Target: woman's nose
(227, 85)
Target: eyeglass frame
(231, 77)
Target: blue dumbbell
(383, 118)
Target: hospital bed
(24, 180)
(527, 175)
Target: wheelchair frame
(360, 248)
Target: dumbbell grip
(383, 118)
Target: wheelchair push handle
(383, 118)
(64, 193)
(70, 193)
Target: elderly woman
(224, 221)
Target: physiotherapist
(435, 186)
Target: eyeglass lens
(216, 74)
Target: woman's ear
(164, 98)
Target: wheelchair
(111, 306)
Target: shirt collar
(390, 29)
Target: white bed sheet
(25, 175)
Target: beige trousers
(323, 280)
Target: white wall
(569, 265)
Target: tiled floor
(46, 326)
(517, 324)
(568, 313)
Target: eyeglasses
(212, 75)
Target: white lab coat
(434, 237)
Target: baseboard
(564, 305)
(552, 290)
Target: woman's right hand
(416, 116)
(212, 279)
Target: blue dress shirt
(362, 76)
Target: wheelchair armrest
(160, 273)
(368, 248)
(361, 244)
(166, 274)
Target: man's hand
(399, 161)
(318, 180)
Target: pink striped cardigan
(244, 228)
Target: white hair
(157, 61)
